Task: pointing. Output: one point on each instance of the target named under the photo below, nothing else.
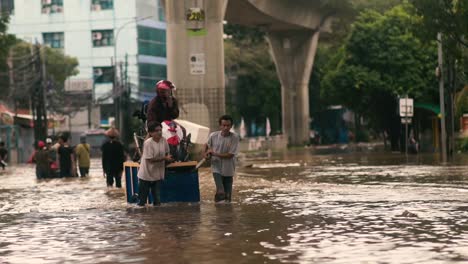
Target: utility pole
(116, 91)
(406, 126)
(126, 74)
(441, 99)
(450, 66)
(37, 94)
(36, 64)
(11, 76)
(115, 96)
(43, 89)
(121, 96)
(39, 112)
(123, 122)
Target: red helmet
(41, 144)
(165, 85)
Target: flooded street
(288, 207)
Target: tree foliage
(26, 61)
(253, 90)
(28, 65)
(450, 17)
(6, 41)
(381, 60)
(345, 16)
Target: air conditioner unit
(96, 7)
(59, 9)
(97, 35)
(97, 72)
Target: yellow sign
(195, 14)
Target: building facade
(96, 32)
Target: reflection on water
(289, 207)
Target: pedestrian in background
(222, 149)
(41, 158)
(3, 155)
(66, 158)
(153, 164)
(113, 157)
(53, 165)
(83, 156)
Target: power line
(79, 21)
(64, 30)
(25, 56)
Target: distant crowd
(58, 159)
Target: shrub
(462, 145)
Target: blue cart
(179, 185)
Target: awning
(22, 117)
(430, 107)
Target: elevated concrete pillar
(293, 31)
(195, 57)
(293, 53)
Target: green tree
(381, 60)
(6, 41)
(345, 16)
(59, 67)
(28, 70)
(253, 89)
(252, 83)
(38, 83)
(330, 44)
(450, 18)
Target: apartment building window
(52, 6)
(98, 5)
(54, 39)
(7, 6)
(150, 74)
(161, 14)
(151, 41)
(103, 74)
(103, 38)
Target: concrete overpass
(195, 54)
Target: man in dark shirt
(113, 157)
(66, 158)
(3, 155)
(164, 106)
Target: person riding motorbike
(164, 106)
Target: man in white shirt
(153, 164)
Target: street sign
(406, 107)
(195, 17)
(406, 120)
(78, 85)
(197, 64)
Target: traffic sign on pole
(406, 112)
(406, 107)
(406, 120)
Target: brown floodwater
(297, 206)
